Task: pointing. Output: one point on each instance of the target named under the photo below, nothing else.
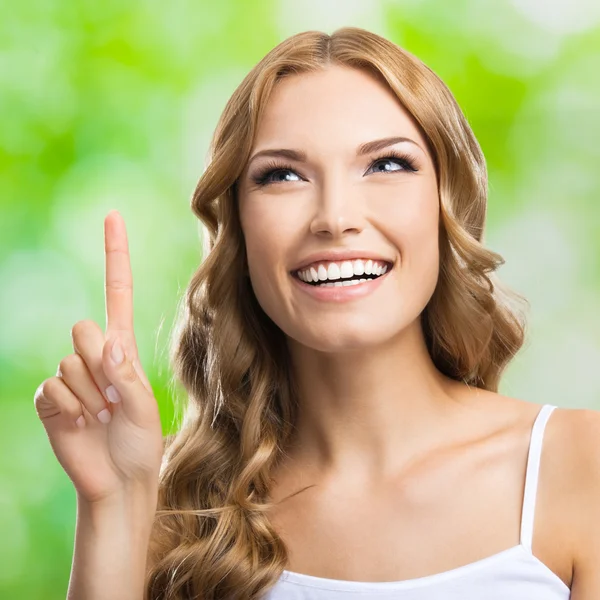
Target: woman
(341, 346)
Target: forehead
(338, 107)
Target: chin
(344, 338)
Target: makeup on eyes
(263, 175)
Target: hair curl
(212, 538)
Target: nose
(338, 209)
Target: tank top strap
(531, 474)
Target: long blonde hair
(212, 538)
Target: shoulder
(573, 465)
(575, 436)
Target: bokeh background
(111, 105)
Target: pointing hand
(99, 411)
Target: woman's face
(330, 205)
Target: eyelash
(405, 160)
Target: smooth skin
(110, 450)
(381, 432)
(384, 442)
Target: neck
(366, 412)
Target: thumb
(121, 371)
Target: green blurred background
(111, 105)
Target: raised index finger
(118, 283)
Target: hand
(101, 418)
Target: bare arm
(103, 423)
(111, 546)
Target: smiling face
(332, 196)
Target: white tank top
(514, 573)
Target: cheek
(411, 207)
(262, 253)
(412, 222)
(410, 217)
(268, 225)
(266, 244)
(424, 259)
(257, 227)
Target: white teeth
(341, 270)
(358, 267)
(346, 270)
(333, 272)
(344, 283)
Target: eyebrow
(366, 148)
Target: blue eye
(264, 176)
(387, 159)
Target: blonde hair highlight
(212, 538)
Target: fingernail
(104, 416)
(80, 422)
(112, 394)
(116, 352)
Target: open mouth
(345, 281)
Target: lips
(340, 290)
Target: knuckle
(81, 327)
(117, 285)
(128, 374)
(49, 388)
(70, 364)
(51, 398)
